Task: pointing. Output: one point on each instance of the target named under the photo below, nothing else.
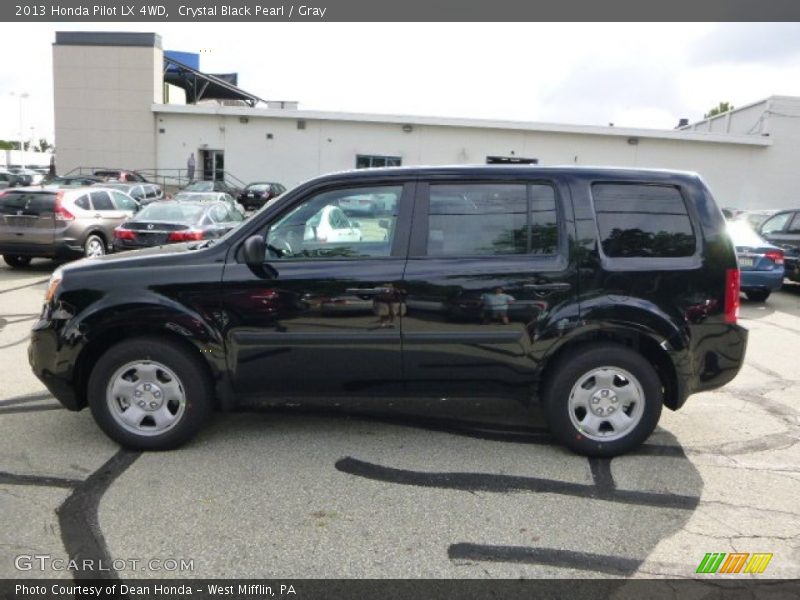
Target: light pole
(22, 96)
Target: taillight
(775, 256)
(188, 235)
(732, 279)
(124, 234)
(62, 214)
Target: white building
(110, 110)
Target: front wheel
(149, 394)
(603, 400)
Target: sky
(631, 74)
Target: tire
(575, 411)
(757, 295)
(16, 261)
(166, 414)
(94, 246)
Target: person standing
(190, 164)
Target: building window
(368, 161)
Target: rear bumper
(56, 250)
(719, 353)
(762, 280)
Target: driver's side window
(339, 223)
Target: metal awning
(203, 86)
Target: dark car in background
(72, 180)
(628, 282)
(211, 186)
(51, 222)
(760, 262)
(169, 222)
(783, 230)
(143, 193)
(257, 194)
(9, 179)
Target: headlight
(52, 286)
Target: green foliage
(722, 107)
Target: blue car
(760, 263)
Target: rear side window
(477, 219)
(637, 220)
(83, 202)
(776, 223)
(26, 203)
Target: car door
(106, 214)
(488, 286)
(306, 320)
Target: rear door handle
(366, 291)
(548, 287)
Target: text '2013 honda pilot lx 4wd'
(606, 293)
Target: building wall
(102, 98)
(736, 173)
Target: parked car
(31, 176)
(211, 186)
(143, 193)
(11, 179)
(629, 282)
(257, 194)
(368, 204)
(783, 230)
(209, 197)
(50, 222)
(331, 225)
(123, 175)
(169, 222)
(760, 262)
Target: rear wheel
(17, 261)
(603, 400)
(149, 394)
(94, 246)
(757, 295)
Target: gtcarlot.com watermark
(46, 562)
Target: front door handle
(548, 287)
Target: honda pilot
(604, 294)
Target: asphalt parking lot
(438, 488)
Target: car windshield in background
(195, 197)
(743, 235)
(258, 187)
(171, 212)
(199, 186)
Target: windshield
(172, 212)
(196, 197)
(199, 186)
(743, 235)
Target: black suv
(606, 293)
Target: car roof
(512, 172)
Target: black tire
(16, 261)
(94, 241)
(571, 369)
(191, 372)
(757, 295)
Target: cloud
(763, 43)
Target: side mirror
(254, 251)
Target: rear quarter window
(642, 220)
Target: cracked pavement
(467, 489)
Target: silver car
(60, 223)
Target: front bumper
(49, 364)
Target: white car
(331, 225)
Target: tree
(722, 107)
(44, 146)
